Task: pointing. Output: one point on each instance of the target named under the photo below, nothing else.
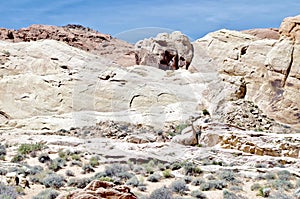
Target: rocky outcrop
(264, 33)
(77, 36)
(100, 189)
(268, 68)
(165, 51)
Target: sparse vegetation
(198, 194)
(179, 186)
(154, 177)
(79, 183)
(94, 161)
(54, 181)
(7, 192)
(161, 193)
(167, 173)
(28, 148)
(2, 151)
(47, 194)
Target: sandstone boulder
(165, 51)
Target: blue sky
(132, 18)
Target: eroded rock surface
(165, 51)
(77, 36)
(267, 70)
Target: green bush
(106, 179)
(54, 181)
(161, 193)
(168, 173)
(28, 148)
(47, 194)
(180, 127)
(76, 157)
(18, 158)
(176, 166)
(191, 169)
(94, 161)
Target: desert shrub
(205, 112)
(142, 188)
(3, 171)
(69, 173)
(187, 179)
(106, 179)
(236, 188)
(18, 158)
(79, 183)
(282, 184)
(28, 148)
(298, 183)
(180, 127)
(161, 193)
(255, 186)
(284, 175)
(2, 151)
(279, 195)
(115, 169)
(33, 170)
(55, 165)
(99, 175)
(167, 173)
(94, 161)
(269, 176)
(44, 157)
(138, 169)
(125, 175)
(264, 192)
(39, 177)
(7, 192)
(134, 181)
(63, 154)
(213, 184)
(176, 166)
(47, 194)
(155, 177)
(198, 194)
(87, 168)
(197, 181)
(227, 175)
(260, 165)
(54, 181)
(229, 195)
(191, 169)
(179, 186)
(75, 157)
(76, 163)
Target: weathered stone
(165, 51)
